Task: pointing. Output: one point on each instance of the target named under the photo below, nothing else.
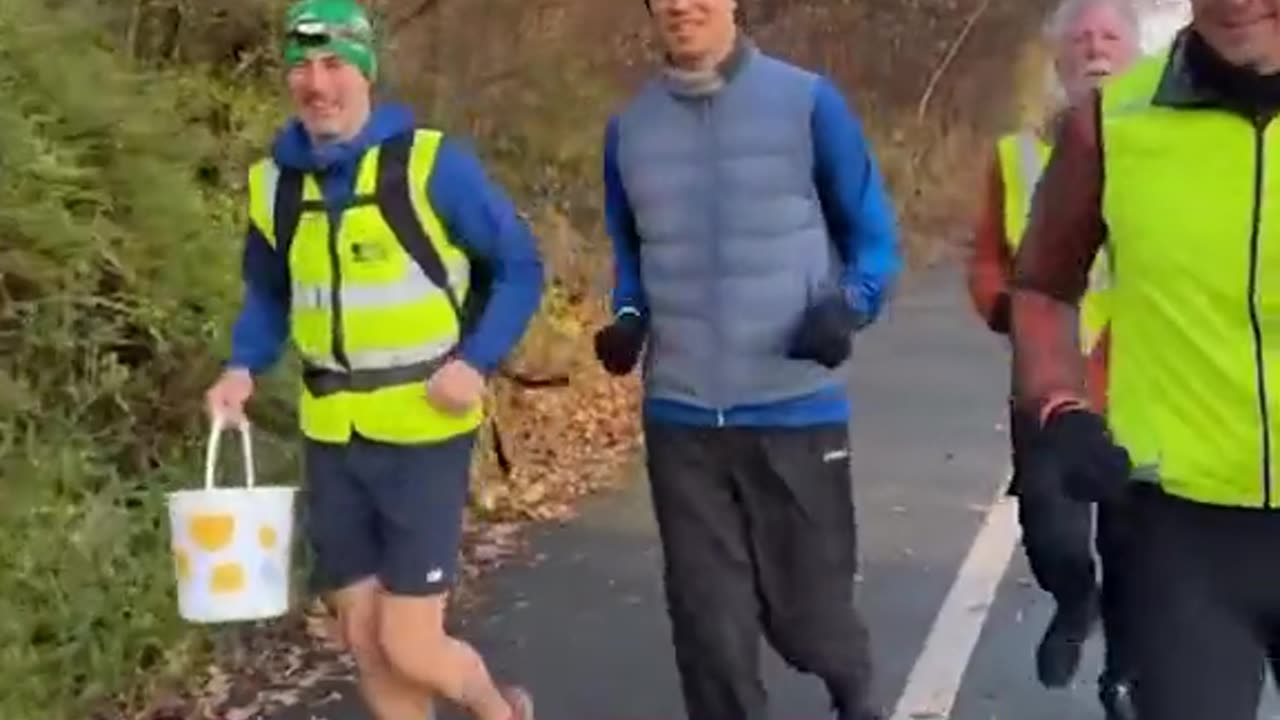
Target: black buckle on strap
(322, 382)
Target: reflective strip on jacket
(1195, 246)
(362, 308)
(1022, 159)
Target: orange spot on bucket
(182, 563)
(267, 537)
(227, 578)
(212, 532)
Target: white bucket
(232, 547)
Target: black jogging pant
(1208, 589)
(1060, 538)
(758, 535)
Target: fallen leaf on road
(287, 698)
(245, 713)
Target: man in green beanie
(368, 243)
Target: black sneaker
(860, 710)
(1058, 656)
(1117, 700)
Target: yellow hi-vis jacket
(370, 323)
(1191, 204)
(1023, 156)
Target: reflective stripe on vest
(1023, 157)
(369, 324)
(411, 286)
(1195, 240)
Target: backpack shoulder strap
(396, 204)
(287, 208)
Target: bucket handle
(211, 455)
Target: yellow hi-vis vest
(1192, 204)
(369, 323)
(1023, 156)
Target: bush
(118, 248)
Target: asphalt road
(953, 613)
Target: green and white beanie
(342, 27)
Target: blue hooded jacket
(477, 214)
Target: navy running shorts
(393, 512)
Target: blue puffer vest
(734, 245)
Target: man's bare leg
(388, 695)
(413, 639)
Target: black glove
(618, 345)
(1001, 314)
(826, 332)
(1094, 467)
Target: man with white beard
(1090, 39)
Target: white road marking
(935, 679)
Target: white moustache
(1101, 66)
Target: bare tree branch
(946, 60)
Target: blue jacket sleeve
(259, 334)
(484, 222)
(860, 216)
(628, 291)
